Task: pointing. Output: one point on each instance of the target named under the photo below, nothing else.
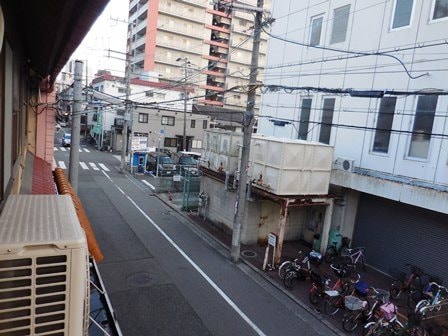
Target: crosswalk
(86, 166)
(67, 149)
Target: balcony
(138, 57)
(210, 102)
(219, 13)
(140, 26)
(222, 59)
(213, 87)
(138, 43)
(214, 73)
(218, 28)
(217, 44)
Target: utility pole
(127, 112)
(248, 123)
(185, 72)
(76, 126)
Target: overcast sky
(106, 34)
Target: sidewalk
(253, 255)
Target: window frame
(170, 142)
(145, 117)
(383, 112)
(204, 124)
(302, 122)
(431, 18)
(167, 123)
(334, 20)
(413, 131)
(192, 123)
(411, 18)
(319, 16)
(330, 126)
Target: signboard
(139, 143)
(176, 178)
(272, 239)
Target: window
(170, 142)
(340, 23)
(402, 13)
(168, 121)
(316, 30)
(196, 143)
(304, 119)
(149, 94)
(193, 124)
(121, 90)
(423, 122)
(204, 124)
(143, 118)
(440, 9)
(384, 125)
(327, 119)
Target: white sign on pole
(139, 143)
(272, 239)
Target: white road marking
(63, 149)
(197, 268)
(93, 165)
(62, 164)
(83, 165)
(149, 184)
(80, 150)
(86, 150)
(55, 149)
(106, 175)
(103, 166)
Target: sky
(108, 32)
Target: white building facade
(391, 140)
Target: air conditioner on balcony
(44, 278)
(344, 164)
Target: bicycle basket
(353, 303)
(382, 295)
(388, 310)
(361, 288)
(315, 258)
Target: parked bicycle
(406, 284)
(361, 311)
(392, 327)
(355, 256)
(335, 299)
(288, 265)
(301, 271)
(319, 284)
(333, 252)
(436, 297)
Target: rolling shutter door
(395, 234)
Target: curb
(304, 306)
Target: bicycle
(333, 252)
(336, 297)
(433, 301)
(287, 265)
(356, 255)
(298, 272)
(392, 327)
(362, 310)
(406, 284)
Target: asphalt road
(163, 275)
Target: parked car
(166, 165)
(67, 140)
(187, 163)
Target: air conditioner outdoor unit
(344, 164)
(44, 280)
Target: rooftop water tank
(290, 167)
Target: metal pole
(184, 139)
(76, 126)
(248, 123)
(127, 113)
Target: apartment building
(389, 132)
(204, 43)
(163, 116)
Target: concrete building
(213, 40)
(390, 149)
(162, 118)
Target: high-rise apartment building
(206, 43)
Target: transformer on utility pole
(248, 123)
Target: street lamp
(185, 64)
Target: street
(163, 275)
